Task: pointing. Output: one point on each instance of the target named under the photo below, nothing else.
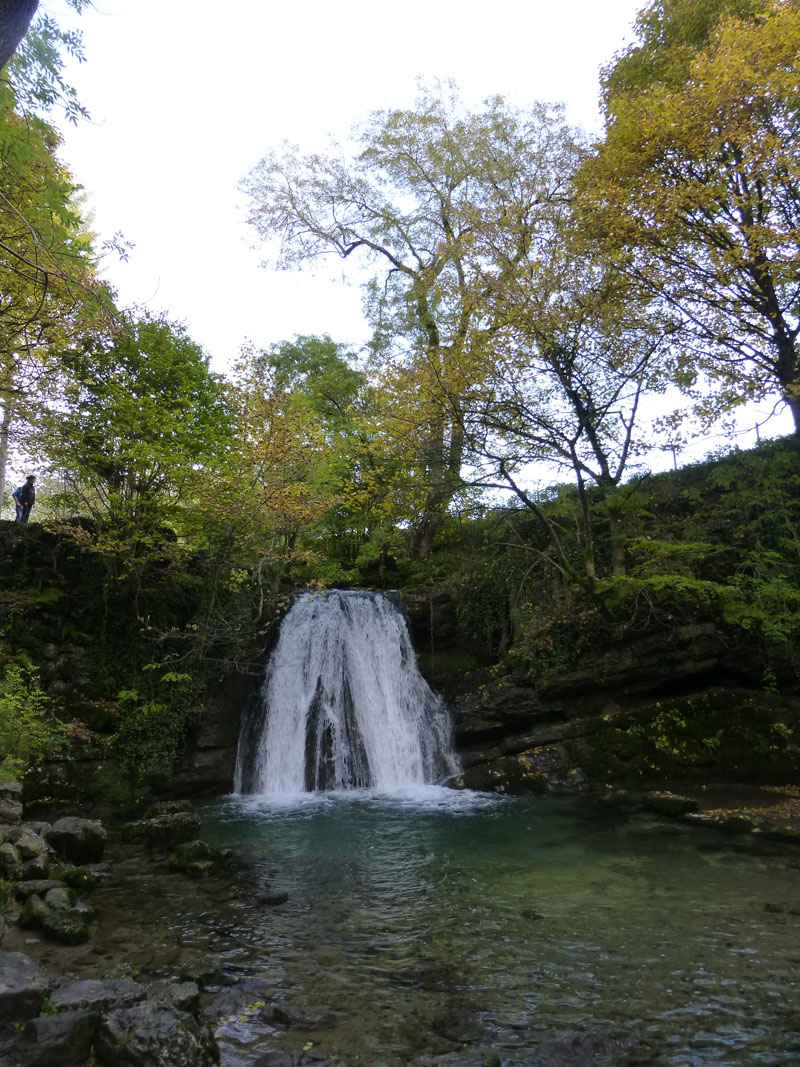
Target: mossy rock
(738, 824)
(34, 913)
(66, 927)
(197, 859)
(75, 877)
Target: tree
(408, 202)
(697, 185)
(579, 351)
(50, 295)
(144, 414)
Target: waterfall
(343, 704)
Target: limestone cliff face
(647, 706)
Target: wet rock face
(158, 1035)
(23, 986)
(57, 1040)
(98, 995)
(77, 840)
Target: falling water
(343, 705)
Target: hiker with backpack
(24, 497)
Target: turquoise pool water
(428, 920)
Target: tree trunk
(15, 17)
(5, 434)
(618, 567)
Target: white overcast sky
(183, 102)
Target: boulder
(166, 831)
(57, 1040)
(23, 986)
(66, 927)
(34, 913)
(22, 890)
(197, 858)
(77, 840)
(60, 898)
(76, 877)
(155, 1035)
(37, 867)
(168, 807)
(10, 861)
(29, 845)
(11, 791)
(10, 802)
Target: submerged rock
(197, 858)
(477, 1057)
(304, 1017)
(665, 803)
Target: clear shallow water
(431, 919)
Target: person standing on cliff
(24, 498)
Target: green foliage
(37, 69)
(144, 412)
(149, 736)
(28, 729)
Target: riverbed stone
(24, 889)
(196, 858)
(57, 1040)
(34, 913)
(477, 1057)
(77, 840)
(60, 898)
(155, 1035)
(101, 873)
(23, 986)
(299, 1016)
(66, 927)
(234, 999)
(98, 994)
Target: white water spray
(344, 705)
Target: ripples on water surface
(432, 918)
